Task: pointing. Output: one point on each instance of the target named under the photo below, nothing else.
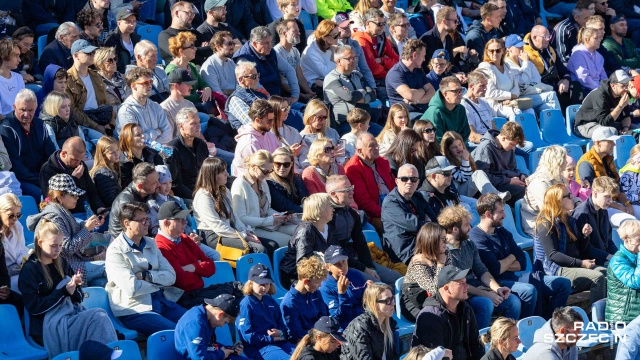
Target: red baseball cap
(636, 82)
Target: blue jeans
(483, 308)
(277, 351)
(528, 295)
(96, 275)
(29, 189)
(563, 9)
(556, 291)
(226, 156)
(164, 316)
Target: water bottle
(87, 209)
(167, 150)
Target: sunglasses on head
(329, 149)
(285, 164)
(404, 179)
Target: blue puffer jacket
(267, 67)
(623, 287)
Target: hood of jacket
(49, 76)
(437, 102)
(542, 340)
(580, 47)
(490, 136)
(264, 141)
(51, 208)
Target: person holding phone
(322, 158)
(62, 197)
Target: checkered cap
(64, 182)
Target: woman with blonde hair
(502, 86)
(263, 333)
(134, 151)
(106, 169)
(106, 61)
(317, 59)
(251, 200)
(504, 339)
(183, 49)
(397, 120)
(56, 114)
(586, 64)
(13, 241)
(287, 135)
(370, 335)
(549, 172)
(316, 126)
(467, 179)
(322, 160)
(561, 249)
(314, 234)
(49, 286)
(287, 188)
(357, 15)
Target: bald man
(68, 160)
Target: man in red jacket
(371, 177)
(377, 49)
(185, 256)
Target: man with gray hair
(557, 338)
(404, 211)
(59, 51)
(259, 49)
(345, 88)
(27, 143)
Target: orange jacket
(370, 48)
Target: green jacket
(447, 120)
(632, 60)
(623, 287)
(327, 9)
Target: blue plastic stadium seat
(402, 4)
(30, 341)
(42, 43)
(500, 121)
(531, 130)
(71, 355)
(130, 350)
(518, 218)
(623, 149)
(13, 344)
(223, 274)
(29, 207)
(96, 297)
(594, 337)
(521, 164)
(470, 204)
(575, 151)
(544, 14)
(527, 328)
(550, 121)
(534, 159)
(244, 264)
(161, 346)
(368, 226)
(278, 255)
(508, 223)
(151, 33)
(372, 236)
(570, 118)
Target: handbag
(522, 103)
(231, 254)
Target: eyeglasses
(190, 13)
(567, 196)
(111, 60)
(15, 216)
(388, 301)
(438, 64)
(446, 173)
(404, 26)
(334, 36)
(147, 83)
(350, 58)
(321, 117)
(455, 91)
(285, 164)
(252, 76)
(429, 131)
(90, 53)
(98, 25)
(545, 37)
(379, 24)
(228, 43)
(286, 109)
(494, 51)
(192, 46)
(454, 20)
(349, 190)
(404, 179)
(144, 221)
(329, 149)
(265, 172)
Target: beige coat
(537, 185)
(78, 94)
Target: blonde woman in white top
(15, 250)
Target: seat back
(398, 295)
(575, 151)
(582, 313)
(71, 355)
(372, 236)
(470, 204)
(622, 151)
(527, 328)
(597, 310)
(30, 341)
(278, 255)
(151, 33)
(487, 346)
(223, 274)
(42, 43)
(11, 330)
(615, 237)
(534, 159)
(550, 121)
(244, 264)
(130, 350)
(161, 346)
(223, 335)
(29, 207)
(96, 297)
(570, 116)
(531, 130)
(500, 121)
(521, 164)
(524, 242)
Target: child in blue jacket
(343, 289)
(260, 324)
(195, 332)
(302, 306)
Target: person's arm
(166, 130)
(548, 240)
(208, 74)
(197, 350)
(339, 305)
(279, 199)
(626, 272)
(586, 172)
(183, 278)
(304, 242)
(29, 285)
(164, 274)
(245, 327)
(377, 70)
(241, 210)
(574, 65)
(418, 96)
(92, 192)
(360, 243)
(5, 160)
(389, 57)
(290, 74)
(119, 271)
(304, 85)
(362, 65)
(485, 163)
(291, 316)
(493, 91)
(495, 266)
(240, 110)
(72, 245)
(336, 93)
(204, 208)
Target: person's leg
(29, 189)
(96, 274)
(594, 280)
(516, 191)
(483, 308)
(545, 101)
(481, 182)
(387, 276)
(227, 156)
(209, 252)
(147, 323)
(527, 294)
(171, 310)
(557, 289)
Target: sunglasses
(404, 26)
(455, 91)
(321, 117)
(15, 216)
(98, 25)
(568, 196)
(286, 109)
(429, 130)
(329, 149)
(445, 174)
(335, 36)
(265, 172)
(404, 179)
(112, 60)
(350, 189)
(252, 76)
(388, 301)
(192, 46)
(494, 51)
(285, 164)
(229, 43)
(147, 83)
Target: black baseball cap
(179, 76)
(227, 303)
(260, 274)
(335, 253)
(171, 210)
(451, 273)
(95, 350)
(329, 325)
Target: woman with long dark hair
(286, 187)
(427, 130)
(407, 148)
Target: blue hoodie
(47, 85)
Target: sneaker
(505, 196)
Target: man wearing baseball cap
(606, 106)
(344, 38)
(621, 48)
(447, 319)
(125, 38)
(180, 84)
(438, 184)
(215, 21)
(195, 331)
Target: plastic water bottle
(87, 209)
(167, 150)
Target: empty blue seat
(570, 119)
(527, 328)
(368, 226)
(500, 121)
(531, 130)
(623, 149)
(594, 336)
(223, 274)
(278, 255)
(306, 20)
(574, 150)
(96, 297)
(161, 346)
(13, 344)
(29, 207)
(518, 218)
(372, 236)
(534, 159)
(550, 122)
(508, 223)
(130, 350)
(42, 43)
(71, 355)
(521, 164)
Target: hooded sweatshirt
(150, 116)
(544, 348)
(447, 120)
(47, 85)
(586, 67)
(630, 183)
(249, 141)
(500, 165)
(477, 37)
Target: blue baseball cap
(440, 54)
(83, 46)
(260, 274)
(513, 40)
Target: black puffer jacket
(282, 200)
(108, 185)
(128, 195)
(148, 155)
(438, 200)
(305, 241)
(188, 161)
(348, 233)
(309, 353)
(365, 340)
